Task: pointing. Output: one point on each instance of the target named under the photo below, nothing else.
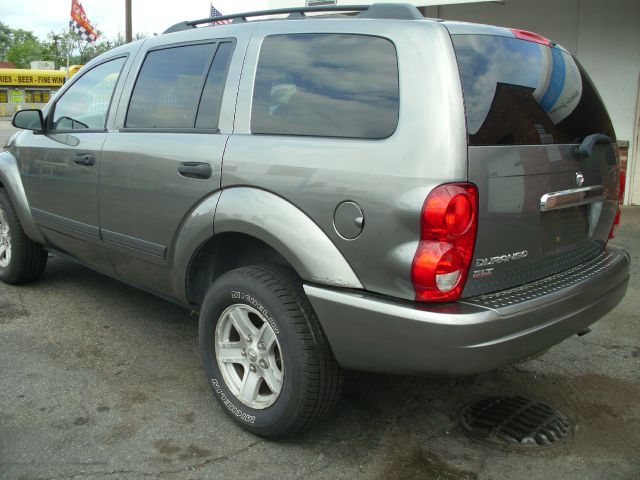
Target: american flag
(214, 12)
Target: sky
(148, 16)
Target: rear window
(518, 92)
(327, 85)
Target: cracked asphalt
(99, 380)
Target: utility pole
(56, 39)
(127, 9)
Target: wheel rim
(5, 240)
(249, 356)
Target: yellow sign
(31, 78)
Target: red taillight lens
(448, 232)
(621, 188)
(531, 36)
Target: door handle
(84, 159)
(195, 170)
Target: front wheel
(21, 259)
(264, 352)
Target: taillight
(448, 225)
(531, 36)
(616, 220)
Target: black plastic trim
(132, 243)
(64, 225)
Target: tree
(5, 40)
(22, 47)
(23, 53)
(81, 51)
(19, 46)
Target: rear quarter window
(518, 92)
(326, 85)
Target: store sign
(28, 78)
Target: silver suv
(377, 191)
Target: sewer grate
(515, 421)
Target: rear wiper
(584, 149)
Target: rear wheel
(21, 259)
(264, 353)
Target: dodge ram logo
(579, 179)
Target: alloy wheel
(249, 356)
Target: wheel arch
(222, 253)
(11, 181)
(241, 226)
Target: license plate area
(564, 228)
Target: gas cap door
(348, 220)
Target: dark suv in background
(378, 192)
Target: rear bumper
(376, 334)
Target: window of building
(328, 85)
(168, 87)
(3, 96)
(86, 103)
(36, 96)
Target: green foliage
(22, 53)
(10, 37)
(22, 47)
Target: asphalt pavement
(99, 380)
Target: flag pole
(69, 42)
(68, 51)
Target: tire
(299, 380)
(21, 259)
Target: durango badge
(483, 262)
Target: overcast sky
(148, 16)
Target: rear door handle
(195, 170)
(84, 159)
(571, 198)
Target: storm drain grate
(515, 421)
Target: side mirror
(28, 120)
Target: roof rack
(389, 11)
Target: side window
(328, 85)
(168, 87)
(209, 108)
(86, 103)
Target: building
(604, 36)
(23, 88)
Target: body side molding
(288, 230)
(65, 225)
(131, 243)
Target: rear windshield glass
(518, 92)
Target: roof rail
(390, 11)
